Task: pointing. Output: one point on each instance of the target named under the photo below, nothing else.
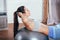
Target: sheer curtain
(54, 12)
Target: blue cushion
(51, 32)
(54, 31)
(57, 31)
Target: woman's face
(27, 12)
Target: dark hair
(21, 9)
(16, 23)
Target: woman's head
(24, 11)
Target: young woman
(30, 24)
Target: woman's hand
(20, 14)
(23, 17)
(28, 24)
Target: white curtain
(53, 15)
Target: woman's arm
(29, 25)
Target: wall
(35, 7)
(2, 6)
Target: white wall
(35, 7)
(2, 9)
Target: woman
(32, 25)
(52, 31)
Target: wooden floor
(7, 34)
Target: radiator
(3, 21)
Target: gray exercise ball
(30, 35)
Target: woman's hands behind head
(20, 14)
(28, 24)
(23, 16)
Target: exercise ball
(30, 35)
